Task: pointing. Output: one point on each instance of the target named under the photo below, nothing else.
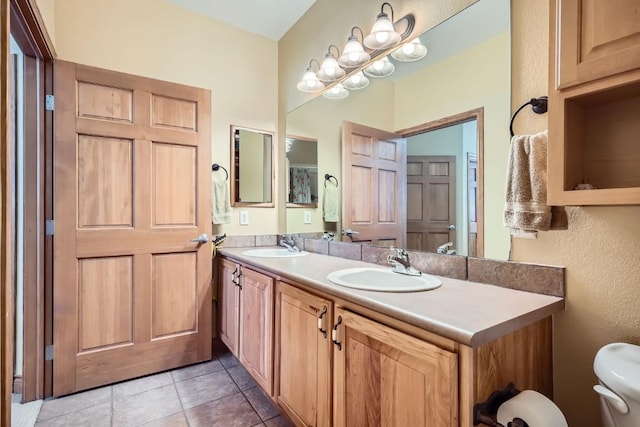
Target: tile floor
(215, 393)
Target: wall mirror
(301, 171)
(466, 69)
(252, 177)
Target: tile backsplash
(542, 279)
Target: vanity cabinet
(594, 102)
(386, 377)
(303, 356)
(246, 319)
(339, 363)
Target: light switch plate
(307, 217)
(244, 217)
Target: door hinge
(49, 227)
(49, 102)
(48, 352)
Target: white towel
(220, 205)
(330, 203)
(526, 207)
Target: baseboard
(17, 384)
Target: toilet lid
(617, 365)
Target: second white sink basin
(382, 280)
(272, 253)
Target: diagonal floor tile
(196, 370)
(242, 377)
(140, 385)
(261, 403)
(63, 405)
(146, 406)
(94, 416)
(175, 420)
(205, 388)
(230, 411)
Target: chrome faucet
(287, 242)
(400, 262)
(444, 249)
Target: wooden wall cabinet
(385, 377)
(303, 356)
(246, 319)
(594, 102)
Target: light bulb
(353, 56)
(408, 48)
(330, 71)
(356, 79)
(382, 36)
(378, 65)
(336, 90)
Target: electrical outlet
(244, 217)
(307, 217)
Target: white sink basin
(272, 253)
(382, 280)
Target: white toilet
(617, 366)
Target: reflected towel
(526, 207)
(330, 203)
(220, 204)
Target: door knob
(201, 239)
(451, 227)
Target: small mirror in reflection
(302, 171)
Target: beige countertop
(467, 312)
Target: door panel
(132, 294)
(431, 201)
(373, 193)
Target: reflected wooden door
(431, 201)
(132, 294)
(374, 182)
(472, 193)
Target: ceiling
(268, 18)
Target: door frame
(456, 119)
(22, 19)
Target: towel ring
(328, 177)
(538, 105)
(216, 167)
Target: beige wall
(156, 39)
(601, 249)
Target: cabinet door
(228, 304)
(256, 326)
(595, 39)
(387, 378)
(303, 355)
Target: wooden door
(256, 326)
(303, 356)
(132, 294)
(229, 304)
(431, 201)
(384, 377)
(472, 204)
(596, 39)
(374, 181)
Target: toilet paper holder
(485, 412)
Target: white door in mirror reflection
(374, 190)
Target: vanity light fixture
(330, 70)
(383, 33)
(310, 82)
(357, 81)
(410, 51)
(380, 68)
(353, 54)
(336, 92)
